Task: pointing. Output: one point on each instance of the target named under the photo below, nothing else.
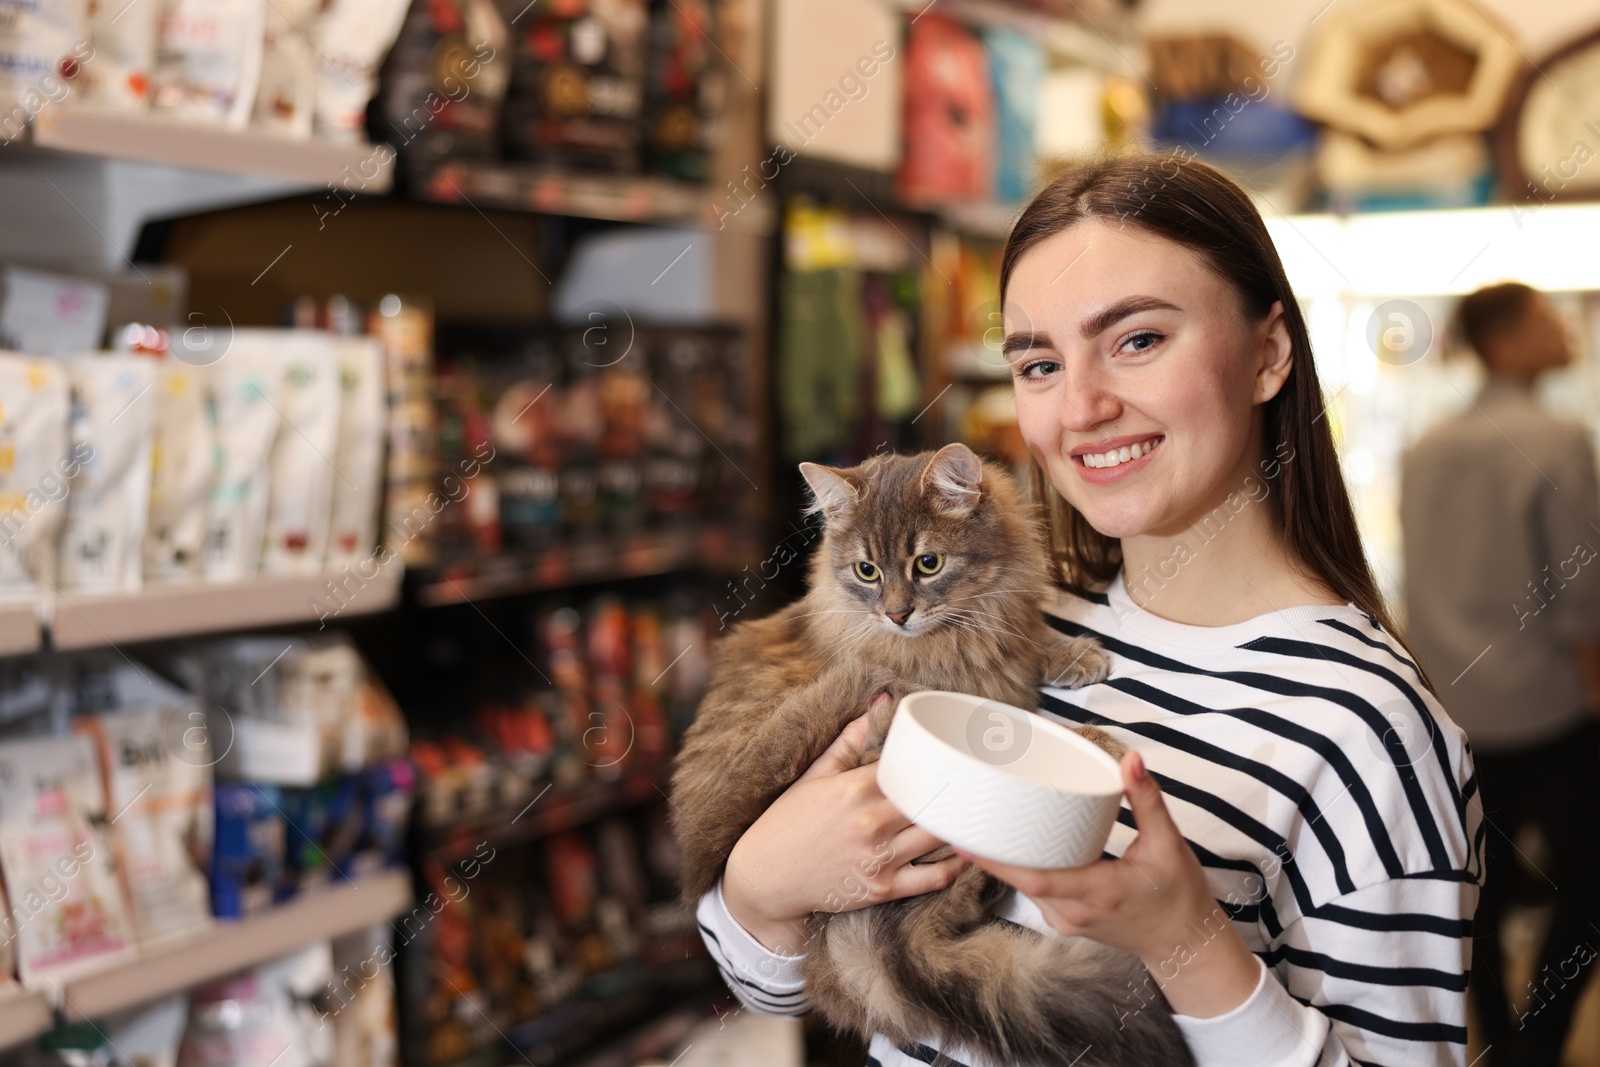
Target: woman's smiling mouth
(1116, 452)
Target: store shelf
(544, 814)
(583, 561)
(231, 946)
(149, 138)
(85, 620)
(531, 187)
(24, 1014)
(19, 629)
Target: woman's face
(1137, 376)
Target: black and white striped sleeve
(764, 981)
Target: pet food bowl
(999, 782)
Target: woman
(1298, 861)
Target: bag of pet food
(124, 38)
(43, 46)
(113, 419)
(352, 39)
(353, 533)
(287, 92)
(208, 60)
(244, 390)
(156, 759)
(35, 465)
(303, 471)
(67, 909)
(180, 481)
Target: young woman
(1298, 860)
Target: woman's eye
(929, 563)
(867, 572)
(1037, 368)
(1142, 342)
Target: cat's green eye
(867, 572)
(929, 563)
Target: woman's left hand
(1153, 902)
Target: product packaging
(352, 38)
(685, 89)
(35, 466)
(67, 908)
(124, 38)
(303, 472)
(353, 533)
(113, 423)
(43, 47)
(363, 1000)
(157, 764)
(445, 81)
(208, 60)
(244, 391)
(949, 115)
(247, 858)
(262, 1017)
(181, 476)
(286, 95)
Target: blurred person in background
(1501, 520)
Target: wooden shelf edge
(148, 138)
(89, 620)
(226, 947)
(19, 629)
(24, 1015)
(553, 191)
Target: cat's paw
(1077, 662)
(878, 719)
(1103, 739)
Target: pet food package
(286, 95)
(43, 46)
(208, 60)
(156, 760)
(684, 89)
(244, 390)
(180, 482)
(353, 533)
(66, 904)
(262, 1017)
(113, 420)
(124, 38)
(445, 81)
(303, 458)
(35, 466)
(248, 854)
(949, 115)
(352, 37)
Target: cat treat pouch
(43, 47)
(244, 389)
(66, 904)
(303, 465)
(181, 475)
(351, 37)
(287, 91)
(35, 465)
(353, 533)
(208, 60)
(113, 409)
(124, 38)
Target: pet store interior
(597, 275)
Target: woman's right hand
(831, 842)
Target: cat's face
(918, 543)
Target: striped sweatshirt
(1330, 801)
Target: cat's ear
(951, 479)
(834, 494)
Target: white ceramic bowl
(998, 781)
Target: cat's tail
(1007, 993)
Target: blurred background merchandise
(399, 398)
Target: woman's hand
(830, 842)
(1153, 902)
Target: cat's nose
(900, 617)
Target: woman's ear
(1276, 354)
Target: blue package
(1017, 69)
(247, 860)
(386, 793)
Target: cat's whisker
(989, 592)
(979, 625)
(833, 611)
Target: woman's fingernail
(1136, 765)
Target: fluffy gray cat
(929, 576)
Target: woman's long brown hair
(1193, 204)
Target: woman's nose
(1087, 399)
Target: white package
(287, 91)
(363, 414)
(113, 419)
(208, 60)
(243, 390)
(352, 39)
(42, 49)
(35, 465)
(303, 472)
(181, 475)
(123, 34)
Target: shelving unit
(218, 950)
(545, 814)
(529, 187)
(19, 629)
(152, 139)
(92, 620)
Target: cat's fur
(939, 964)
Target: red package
(949, 115)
